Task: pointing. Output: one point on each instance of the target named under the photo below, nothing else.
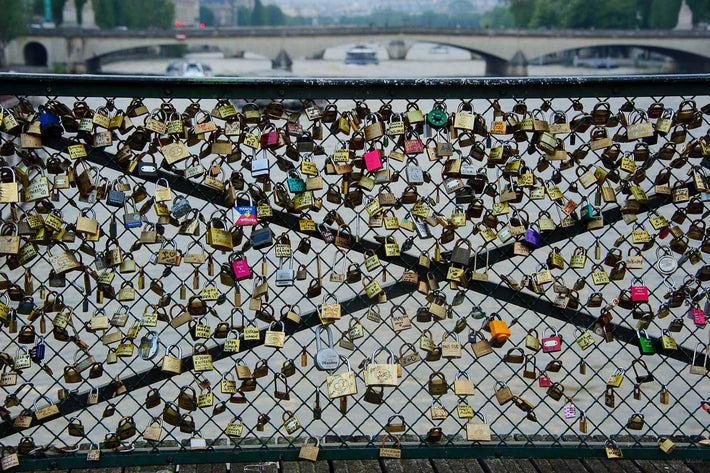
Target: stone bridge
(82, 50)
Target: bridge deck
(435, 466)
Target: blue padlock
(37, 351)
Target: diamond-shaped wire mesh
(583, 373)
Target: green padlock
(645, 343)
(437, 118)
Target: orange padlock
(499, 329)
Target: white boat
(361, 55)
(439, 49)
(188, 69)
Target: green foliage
(258, 15)
(207, 16)
(13, 20)
(270, 15)
(598, 14)
(664, 14)
(701, 10)
(58, 11)
(431, 19)
(498, 17)
(547, 14)
(135, 14)
(79, 4)
(274, 16)
(521, 10)
(243, 16)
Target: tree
(58, 11)
(134, 14)
(643, 9)
(701, 10)
(274, 16)
(498, 17)
(546, 15)
(243, 16)
(207, 16)
(664, 14)
(12, 23)
(522, 11)
(258, 15)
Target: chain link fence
(542, 208)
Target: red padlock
(552, 343)
(269, 139)
(544, 380)
(413, 145)
(639, 293)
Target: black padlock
(148, 169)
(25, 306)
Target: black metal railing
(627, 149)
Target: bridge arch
(687, 61)
(35, 54)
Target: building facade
(187, 12)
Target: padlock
(132, 218)
(584, 339)
(463, 387)
(480, 348)
(326, 359)
(666, 445)
(532, 340)
(646, 345)
(503, 393)
(437, 384)
(635, 421)
(499, 329)
(381, 374)
(553, 343)
(460, 254)
(556, 391)
(696, 369)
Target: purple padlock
(533, 238)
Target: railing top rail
(353, 88)
(308, 30)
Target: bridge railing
(549, 204)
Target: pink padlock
(698, 315)
(373, 160)
(544, 381)
(240, 266)
(552, 343)
(639, 292)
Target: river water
(422, 60)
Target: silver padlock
(181, 208)
(260, 166)
(414, 173)
(327, 358)
(285, 277)
(131, 219)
